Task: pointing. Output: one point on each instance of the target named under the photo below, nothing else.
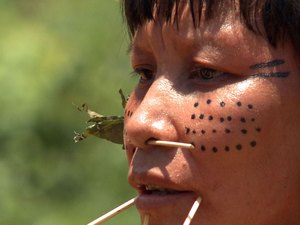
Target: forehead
(187, 29)
(220, 37)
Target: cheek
(222, 126)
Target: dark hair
(279, 19)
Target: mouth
(154, 197)
(153, 189)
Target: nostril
(149, 140)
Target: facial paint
(273, 63)
(230, 131)
(270, 75)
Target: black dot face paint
(239, 147)
(243, 120)
(244, 131)
(239, 127)
(227, 131)
(253, 144)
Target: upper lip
(147, 176)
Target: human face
(241, 114)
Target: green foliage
(54, 53)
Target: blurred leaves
(54, 53)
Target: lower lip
(154, 202)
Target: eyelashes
(205, 74)
(201, 75)
(144, 74)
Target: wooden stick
(192, 212)
(113, 212)
(170, 144)
(146, 220)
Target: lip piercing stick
(170, 144)
(146, 220)
(193, 211)
(114, 212)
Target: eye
(144, 74)
(205, 74)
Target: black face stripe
(270, 75)
(273, 63)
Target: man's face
(236, 99)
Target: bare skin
(242, 117)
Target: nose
(153, 115)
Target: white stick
(113, 212)
(192, 212)
(171, 144)
(146, 220)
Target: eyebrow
(272, 63)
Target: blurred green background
(54, 53)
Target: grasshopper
(105, 127)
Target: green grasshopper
(105, 127)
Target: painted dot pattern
(239, 147)
(248, 125)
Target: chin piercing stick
(113, 212)
(193, 211)
(146, 220)
(170, 144)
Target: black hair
(279, 19)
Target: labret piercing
(131, 202)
